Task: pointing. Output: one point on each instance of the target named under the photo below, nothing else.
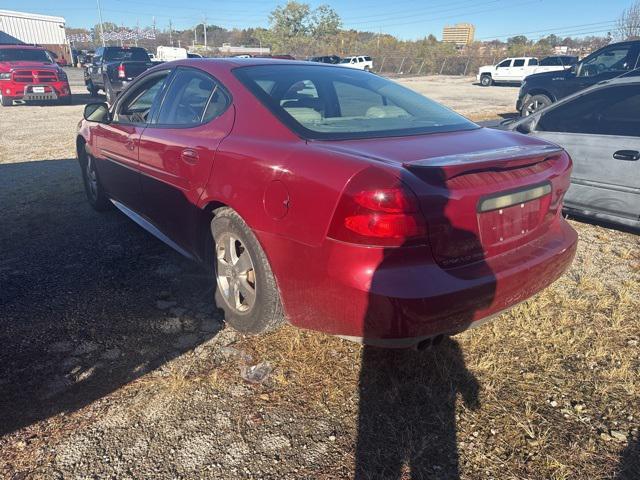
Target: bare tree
(628, 25)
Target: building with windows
(461, 34)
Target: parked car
(113, 68)
(331, 59)
(28, 73)
(360, 62)
(555, 63)
(169, 54)
(543, 89)
(338, 200)
(509, 70)
(600, 128)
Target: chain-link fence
(449, 65)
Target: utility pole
(137, 31)
(101, 26)
(170, 34)
(205, 33)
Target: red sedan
(331, 198)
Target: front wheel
(5, 101)
(96, 194)
(93, 91)
(246, 288)
(486, 80)
(534, 103)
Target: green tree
(324, 22)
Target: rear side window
(328, 103)
(192, 98)
(368, 59)
(607, 111)
(519, 62)
(550, 62)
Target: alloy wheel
(92, 178)
(235, 273)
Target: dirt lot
(115, 364)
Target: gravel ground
(116, 364)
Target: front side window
(614, 59)
(135, 107)
(504, 63)
(24, 55)
(519, 62)
(608, 111)
(337, 103)
(192, 98)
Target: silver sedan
(600, 128)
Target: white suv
(509, 70)
(363, 62)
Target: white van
(168, 54)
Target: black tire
(111, 95)
(534, 103)
(96, 194)
(486, 80)
(266, 312)
(6, 101)
(93, 91)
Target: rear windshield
(322, 102)
(126, 54)
(24, 55)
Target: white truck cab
(361, 62)
(509, 70)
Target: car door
(600, 131)
(516, 72)
(503, 70)
(117, 142)
(610, 62)
(177, 151)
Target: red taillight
(378, 209)
(121, 71)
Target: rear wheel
(534, 103)
(486, 80)
(246, 288)
(93, 91)
(111, 95)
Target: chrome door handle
(631, 155)
(189, 155)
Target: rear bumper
(397, 297)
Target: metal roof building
(33, 28)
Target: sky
(403, 18)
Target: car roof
(21, 47)
(630, 78)
(232, 62)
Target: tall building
(461, 34)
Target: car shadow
(408, 398)
(88, 301)
(629, 467)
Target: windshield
(24, 55)
(126, 54)
(322, 102)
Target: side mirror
(97, 112)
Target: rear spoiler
(453, 165)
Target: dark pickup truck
(542, 89)
(113, 68)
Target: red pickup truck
(28, 73)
